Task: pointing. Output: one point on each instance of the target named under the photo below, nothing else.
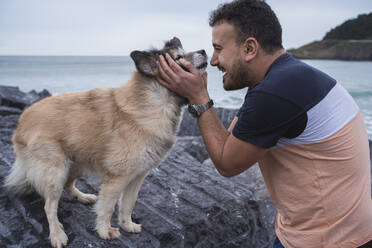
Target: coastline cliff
(352, 40)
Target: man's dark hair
(251, 18)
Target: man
(299, 124)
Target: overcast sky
(116, 27)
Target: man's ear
(145, 62)
(250, 46)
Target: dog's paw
(58, 240)
(109, 233)
(87, 198)
(131, 227)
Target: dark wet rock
(12, 97)
(189, 125)
(40, 95)
(5, 110)
(194, 145)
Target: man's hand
(189, 84)
(230, 155)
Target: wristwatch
(197, 110)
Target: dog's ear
(145, 62)
(173, 43)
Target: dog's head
(146, 60)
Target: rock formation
(182, 203)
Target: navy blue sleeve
(264, 118)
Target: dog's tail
(16, 182)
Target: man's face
(227, 56)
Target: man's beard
(238, 78)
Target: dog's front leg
(105, 206)
(127, 201)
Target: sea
(60, 74)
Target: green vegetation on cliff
(352, 40)
(335, 49)
(354, 29)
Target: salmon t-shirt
(317, 168)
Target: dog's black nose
(202, 52)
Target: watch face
(192, 110)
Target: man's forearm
(214, 136)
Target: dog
(120, 134)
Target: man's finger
(164, 75)
(163, 82)
(205, 77)
(192, 69)
(167, 70)
(175, 67)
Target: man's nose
(214, 60)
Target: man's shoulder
(295, 81)
(289, 70)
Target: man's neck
(263, 64)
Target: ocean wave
(361, 94)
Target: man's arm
(230, 155)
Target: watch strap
(197, 110)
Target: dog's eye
(178, 57)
